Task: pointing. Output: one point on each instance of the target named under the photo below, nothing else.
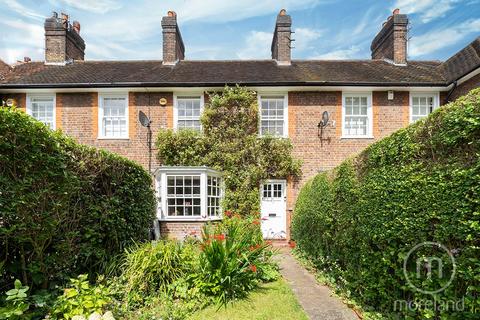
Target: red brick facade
(77, 116)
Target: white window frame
(30, 97)
(175, 106)
(100, 115)
(436, 101)
(368, 95)
(161, 177)
(285, 111)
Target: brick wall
(79, 119)
(179, 230)
(305, 111)
(77, 116)
(465, 87)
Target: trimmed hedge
(422, 183)
(65, 208)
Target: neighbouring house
(98, 103)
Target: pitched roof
(219, 73)
(463, 62)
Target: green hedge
(422, 183)
(65, 208)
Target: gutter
(450, 92)
(217, 84)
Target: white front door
(273, 208)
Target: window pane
(42, 110)
(422, 106)
(114, 121)
(272, 115)
(356, 116)
(189, 111)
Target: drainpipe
(450, 92)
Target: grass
(272, 301)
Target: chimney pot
(282, 12)
(396, 11)
(65, 20)
(76, 26)
(26, 59)
(171, 13)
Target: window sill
(190, 219)
(113, 138)
(356, 137)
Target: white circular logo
(429, 267)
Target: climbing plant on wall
(230, 142)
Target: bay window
(188, 193)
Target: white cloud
(438, 39)
(222, 11)
(95, 6)
(305, 37)
(257, 46)
(427, 9)
(339, 54)
(22, 10)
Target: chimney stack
(391, 42)
(173, 48)
(62, 40)
(281, 43)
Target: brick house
(98, 102)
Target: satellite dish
(142, 117)
(324, 122)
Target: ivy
(230, 142)
(422, 183)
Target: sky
(240, 29)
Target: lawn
(272, 301)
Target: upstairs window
(422, 105)
(42, 108)
(357, 116)
(113, 117)
(273, 115)
(188, 110)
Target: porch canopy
(188, 193)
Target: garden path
(316, 300)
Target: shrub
(152, 268)
(64, 208)
(233, 260)
(420, 184)
(81, 299)
(230, 143)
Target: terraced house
(98, 103)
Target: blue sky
(241, 29)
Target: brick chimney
(173, 48)
(62, 40)
(281, 48)
(391, 42)
(4, 69)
